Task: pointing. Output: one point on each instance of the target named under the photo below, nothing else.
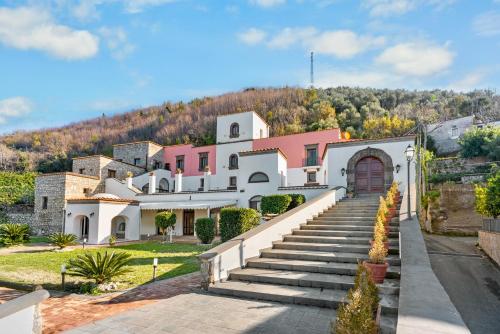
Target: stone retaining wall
(490, 243)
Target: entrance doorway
(84, 227)
(188, 222)
(369, 175)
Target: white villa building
(120, 196)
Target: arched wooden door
(369, 175)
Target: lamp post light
(409, 152)
(155, 265)
(84, 242)
(63, 276)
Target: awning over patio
(186, 205)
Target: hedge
(235, 221)
(297, 199)
(205, 230)
(275, 204)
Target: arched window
(234, 130)
(233, 161)
(163, 186)
(254, 202)
(145, 188)
(258, 177)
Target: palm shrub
(235, 221)
(275, 204)
(101, 268)
(205, 229)
(62, 240)
(164, 221)
(14, 234)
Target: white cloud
(289, 36)
(487, 24)
(344, 43)
(469, 82)
(267, 3)
(14, 107)
(252, 36)
(30, 28)
(117, 42)
(137, 6)
(86, 10)
(385, 8)
(416, 58)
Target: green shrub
(17, 188)
(275, 204)
(235, 221)
(488, 198)
(164, 221)
(297, 199)
(205, 230)
(62, 240)
(14, 234)
(101, 268)
(475, 142)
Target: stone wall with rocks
(99, 166)
(453, 210)
(19, 214)
(147, 152)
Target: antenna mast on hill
(312, 69)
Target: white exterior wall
(338, 157)
(250, 127)
(141, 180)
(220, 180)
(260, 128)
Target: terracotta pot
(386, 244)
(378, 270)
(387, 229)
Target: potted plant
(376, 262)
(380, 231)
(383, 211)
(395, 192)
(389, 199)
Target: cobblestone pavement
(197, 312)
(62, 311)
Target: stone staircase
(316, 264)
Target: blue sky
(62, 61)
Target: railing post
(207, 272)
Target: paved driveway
(470, 278)
(210, 314)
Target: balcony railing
(310, 162)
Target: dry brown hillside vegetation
(363, 112)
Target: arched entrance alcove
(119, 227)
(82, 227)
(369, 170)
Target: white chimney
(207, 176)
(152, 183)
(129, 182)
(178, 181)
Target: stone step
(343, 216)
(327, 239)
(324, 267)
(306, 279)
(368, 233)
(345, 257)
(330, 221)
(320, 247)
(327, 298)
(344, 227)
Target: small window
(454, 132)
(111, 173)
(179, 162)
(311, 177)
(233, 161)
(234, 130)
(203, 161)
(233, 182)
(311, 155)
(202, 183)
(261, 133)
(86, 191)
(258, 177)
(163, 186)
(156, 165)
(45, 202)
(254, 202)
(137, 161)
(167, 166)
(82, 170)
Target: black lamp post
(409, 152)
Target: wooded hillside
(364, 113)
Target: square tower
(241, 127)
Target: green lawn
(44, 267)
(37, 240)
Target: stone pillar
(207, 175)
(152, 183)
(128, 180)
(178, 180)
